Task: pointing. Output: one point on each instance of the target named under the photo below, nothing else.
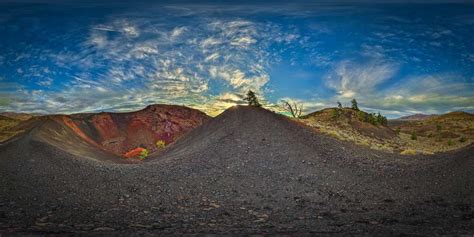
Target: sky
(394, 57)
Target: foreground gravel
(247, 171)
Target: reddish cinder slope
(119, 133)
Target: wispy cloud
(208, 55)
(351, 80)
(147, 63)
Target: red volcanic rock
(105, 126)
(72, 125)
(134, 153)
(119, 133)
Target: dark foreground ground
(247, 171)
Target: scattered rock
(140, 226)
(104, 229)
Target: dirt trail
(245, 171)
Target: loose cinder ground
(246, 171)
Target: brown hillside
(351, 119)
(350, 126)
(8, 127)
(18, 116)
(440, 133)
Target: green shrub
(413, 135)
(361, 115)
(337, 112)
(381, 119)
(143, 154)
(334, 114)
(160, 144)
(438, 127)
(450, 142)
(462, 139)
(398, 130)
(374, 119)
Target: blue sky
(80, 56)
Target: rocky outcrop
(120, 133)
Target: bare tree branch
(295, 109)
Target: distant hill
(456, 115)
(438, 133)
(411, 134)
(417, 117)
(19, 116)
(5, 118)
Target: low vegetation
(137, 153)
(408, 152)
(437, 133)
(434, 134)
(143, 154)
(355, 125)
(8, 128)
(372, 118)
(160, 145)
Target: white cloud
(352, 79)
(428, 94)
(177, 31)
(98, 39)
(126, 63)
(131, 31)
(104, 28)
(144, 50)
(101, 89)
(243, 41)
(45, 82)
(238, 79)
(211, 41)
(212, 57)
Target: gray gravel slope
(246, 171)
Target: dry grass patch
(408, 152)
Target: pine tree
(251, 99)
(354, 104)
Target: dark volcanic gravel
(247, 171)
